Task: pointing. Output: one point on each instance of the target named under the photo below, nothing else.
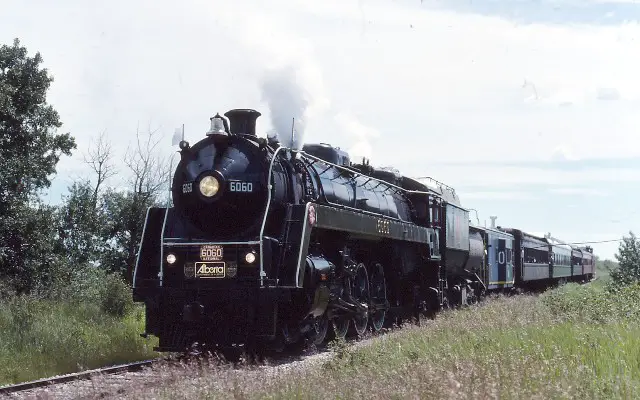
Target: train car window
(535, 255)
(436, 214)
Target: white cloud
(427, 86)
(358, 134)
(405, 69)
(561, 153)
(496, 195)
(501, 176)
(461, 75)
(608, 94)
(579, 191)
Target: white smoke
(287, 104)
(360, 134)
(293, 89)
(291, 82)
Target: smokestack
(242, 121)
(493, 221)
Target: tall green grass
(42, 337)
(573, 342)
(577, 341)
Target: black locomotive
(268, 245)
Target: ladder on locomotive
(291, 241)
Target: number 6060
(245, 187)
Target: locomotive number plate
(210, 270)
(240, 187)
(211, 252)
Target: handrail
(276, 153)
(437, 182)
(266, 211)
(342, 206)
(144, 229)
(431, 192)
(164, 225)
(169, 200)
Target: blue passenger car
(499, 259)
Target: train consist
(269, 246)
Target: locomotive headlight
(209, 186)
(250, 258)
(171, 258)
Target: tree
(126, 210)
(628, 257)
(82, 218)
(30, 150)
(28, 250)
(99, 159)
(80, 225)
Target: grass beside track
(43, 338)
(572, 342)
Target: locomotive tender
(269, 245)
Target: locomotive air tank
(349, 188)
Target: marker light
(171, 258)
(209, 186)
(250, 258)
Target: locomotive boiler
(267, 245)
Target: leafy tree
(82, 222)
(30, 149)
(81, 225)
(103, 226)
(125, 213)
(628, 257)
(29, 253)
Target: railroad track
(19, 387)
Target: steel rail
(19, 387)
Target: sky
(527, 108)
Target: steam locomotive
(269, 245)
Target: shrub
(594, 304)
(628, 257)
(88, 285)
(116, 297)
(41, 338)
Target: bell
(217, 126)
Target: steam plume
(286, 100)
(291, 81)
